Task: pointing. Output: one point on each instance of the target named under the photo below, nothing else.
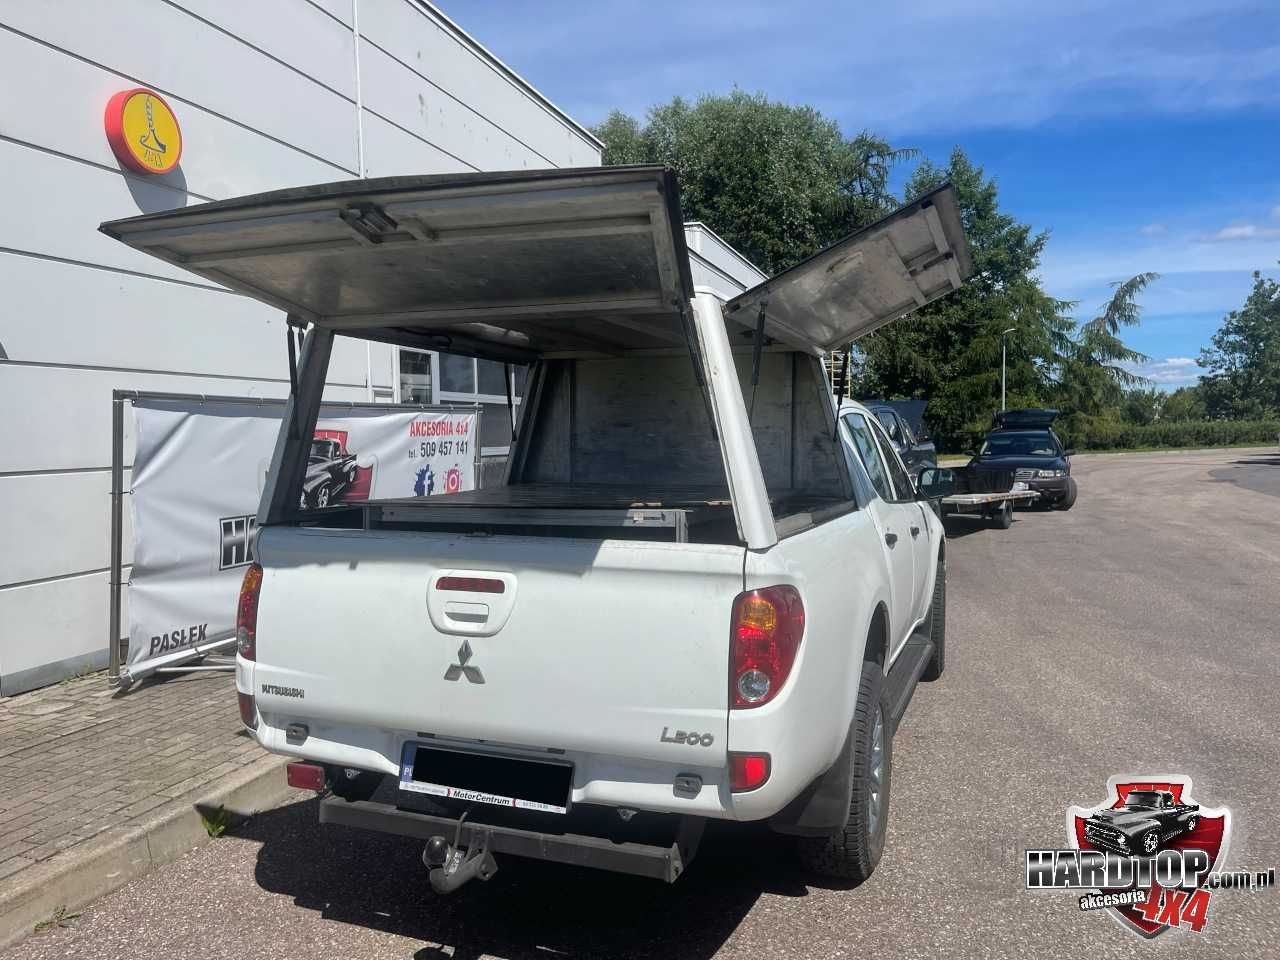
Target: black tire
(1003, 518)
(1069, 498)
(938, 625)
(361, 786)
(852, 852)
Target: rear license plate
(483, 778)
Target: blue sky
(1143, 136)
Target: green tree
(1185, 403)
(1243, 361)
(1143, 405)
(1093, 375)
(949, 351)
(778, 182)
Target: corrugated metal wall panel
(265, 94)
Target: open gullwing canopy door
(884, 271)
(517, 265)
(508, 266)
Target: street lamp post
(1003, 334)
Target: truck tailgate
(595, 646)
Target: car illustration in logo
(330, 471)
(1142, 824)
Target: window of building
(415, 376)
(457, 374)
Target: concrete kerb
(78, 876)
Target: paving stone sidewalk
(79, 758)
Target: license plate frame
(490, 778)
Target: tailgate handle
(466, 612)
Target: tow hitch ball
(450, 866)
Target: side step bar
(644, 860)
(900, 683)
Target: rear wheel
(1002, 519)
(852, 852)
(938, 625)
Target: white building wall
(716, 266)
(266, 94)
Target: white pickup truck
(699, 593)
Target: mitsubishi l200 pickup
(701, 593)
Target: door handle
(891, 538)
(915, 532)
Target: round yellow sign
(143, 131)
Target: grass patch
(60, 917)
(216, 823)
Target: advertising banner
(198, 475)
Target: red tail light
(305, 776)
(747, 770)
(247, 613)
(471, 584)
(767, 627)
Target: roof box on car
(1027, 419)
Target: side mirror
(1068, 453)
(936, 482)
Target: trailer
(994, 507)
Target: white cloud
(1243, 231)
(1153, 230)
(1169, 372)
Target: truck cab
(700, 592)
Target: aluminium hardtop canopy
(516, 265)
(876, 274)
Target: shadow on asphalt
(1259, 462)
(957, 528)
(529, 907)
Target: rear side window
(864, 442)
(890, 424)
(901, 482)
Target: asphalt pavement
(1136, 633)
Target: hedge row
(1114, 435)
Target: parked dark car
(330, 470)
(1023, 448)
(903, 421)
(1145, 823)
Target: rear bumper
(640, 859)
(598, 779)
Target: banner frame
(116, 676)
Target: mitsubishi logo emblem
(461, 669)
